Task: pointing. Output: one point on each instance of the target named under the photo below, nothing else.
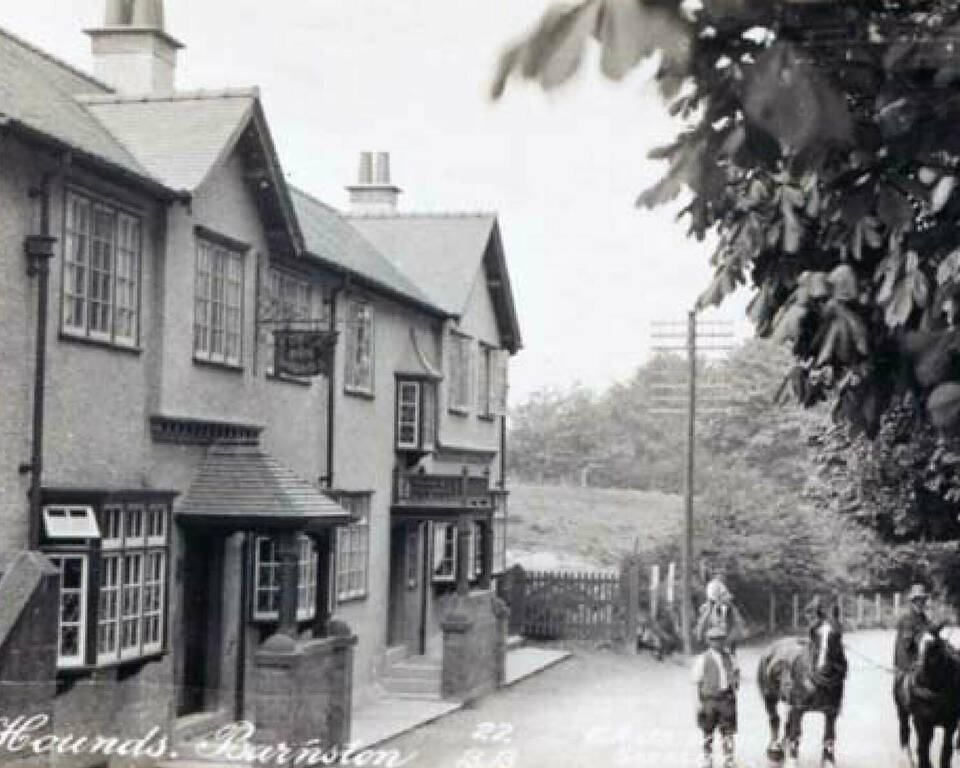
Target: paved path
(607, 711)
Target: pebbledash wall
(365, 458)
(99, 400)
(18, 307)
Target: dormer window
(416, 414)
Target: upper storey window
(358, 373)
(461, 372)
(218, 308)
(101, 272)
(292, 302)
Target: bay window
(116, 591)
(218, 304)
(101, 272)
(416, 414)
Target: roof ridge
(201, 94)
(476, 214)
(55, 60)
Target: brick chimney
(131, 51)
(373, 193)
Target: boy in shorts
(717, 679)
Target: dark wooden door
(201, 590)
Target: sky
(591, 273)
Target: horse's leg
(924, 737)
(794, 721)
(946, 750)
(774, 748)
(829, 739)
(903, 716)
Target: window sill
(491, 417)
(225, 367)
(267, 620)
(86, 669)
(351, 599)
(101, 343)
(459, 411)
(289, 379)
(363, 394)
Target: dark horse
(929, 692)
(808, 676)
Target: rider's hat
(918, 592)
(716, 633)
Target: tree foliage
(753, 465)
(820, 148)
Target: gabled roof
(330, 238)
(179, 137)
(182, 137)
(242, 486)
(443, 254)
(37, 94)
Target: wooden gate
(569, 606)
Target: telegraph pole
(677, 405)
(686, 605)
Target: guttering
(95, 162)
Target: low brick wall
(302, 690)
(474, 645)
(29, 596)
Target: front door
(201, 587)
(405, 624)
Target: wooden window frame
(352, 571)
(102, 617)
(308, 563)
(360, 336)
(218, 315)
(122, 297)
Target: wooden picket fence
(573, 606)
(609, 608)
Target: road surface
(616, 711)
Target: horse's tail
(766, 683)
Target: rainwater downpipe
(39, 251)
(332, 383)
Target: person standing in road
(717, 680)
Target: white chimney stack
(374, 193)
(131, 51)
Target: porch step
(421, 685)
(411, 677)
(395, 654)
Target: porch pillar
(487, 554)
(288, 555)
(464, 532)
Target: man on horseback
(910, 626)
(719, 612)
(717, 680)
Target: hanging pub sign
(303, 353)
